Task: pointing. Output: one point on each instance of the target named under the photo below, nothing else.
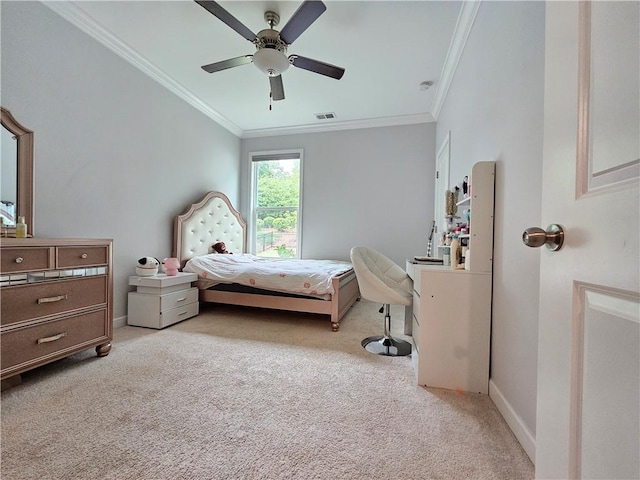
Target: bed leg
(335, 326)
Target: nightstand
(161, 300)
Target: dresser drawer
(82, 256)
(35, 300)
(416, 304)
(17, 259)
(417, 279)
(56, 338)
(410, 268)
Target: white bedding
(304, 277)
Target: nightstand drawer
(25, 259)
(31, 301)
(415, 331)
(178, 314)
(82, 256)
(159, 311)
(178, 299)
(52, 338)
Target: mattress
(297, 276)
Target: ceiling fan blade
(226, 17)
(232, 62)
(277, 89)
(306, 14)
(317, 66)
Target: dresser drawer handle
(53, 338)
(19, 260)
(57, 298)
(84, 255)
(182, 313)
(181, 299)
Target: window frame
(271, 155)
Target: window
(276, 181)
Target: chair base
(381, 345)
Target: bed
(214, 219)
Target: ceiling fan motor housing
(271, 55)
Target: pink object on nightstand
(171, 266)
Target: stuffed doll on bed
(220, 247)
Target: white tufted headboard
(213, 219)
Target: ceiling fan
(271, 46)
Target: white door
(441, 186)
(588, 420)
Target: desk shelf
(481, 202)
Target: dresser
(56, 299)
(451, 311)
(162, 300)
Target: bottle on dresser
(21, 228)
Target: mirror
(16, 174)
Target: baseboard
(519, 429)
(119, 322)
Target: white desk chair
(381, 280)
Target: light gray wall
(494, 110)
(371, 187)
(116, 154)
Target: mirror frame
(24, 202)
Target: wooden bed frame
(213, 219)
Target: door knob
(553, 237)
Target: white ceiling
(386, 47)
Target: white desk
(451, 327)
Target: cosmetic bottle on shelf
(455, 252)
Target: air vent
(325, 116)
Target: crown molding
(336, 126)
(466, 17)
(84, 22)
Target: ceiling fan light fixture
(270, 61)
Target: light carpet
(239, 393)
